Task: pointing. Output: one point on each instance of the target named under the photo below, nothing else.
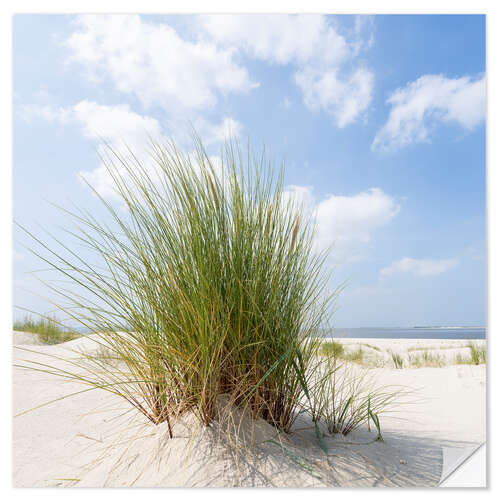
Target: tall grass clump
(48, 329)
(477, 353)
(202, 283)
(332, 348)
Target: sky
(380, 119)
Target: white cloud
(419, 267)
(152, 62)
(320, 53)
(121, 129)
(423, 104)
(118, 126)
(158, 66)
(348, 222)
(280, 38)
(343, 99)
(218, 132)
(300, 196)
(124, 131)
(363, 25)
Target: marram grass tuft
(203, 283)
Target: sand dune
(94, 439)
(378, 351)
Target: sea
(417, 332)
(441, 332)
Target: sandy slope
(381, 349)
(25, 338)
(92, 439)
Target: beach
(95, 439)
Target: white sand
(377, 349)
(93, 439)
(26, 338)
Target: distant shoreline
(413, 332)
(452, 333)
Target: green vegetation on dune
(359, 356)
(205, 284)
(337, 350)
(397, 359)
(477, 355)
(348, 396)
(332, 348)
(211, 273)
(426, 359)
(48, 330)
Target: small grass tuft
(460, 359)
(426, 359)
(332, 348)
(477, 353)
(397, 359)
(48, 329)
(356, 356)
(351, 396)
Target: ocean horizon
(417, 332)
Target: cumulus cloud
(347, 222)
(280, 38)
(427, 102)
(123, 130)
(324, 59)
(344, 99)
(218, 132)
(152, 62)
(420, 267)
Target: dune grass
(427, 348)
(460, 359)
(477, 355)
(356, 356)
(48, 329)
(203, 283)
(426, 359)
(351, 397)
(397, 359)
(359, 356)
(332, 348)
(338, 351)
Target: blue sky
(381, 120)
